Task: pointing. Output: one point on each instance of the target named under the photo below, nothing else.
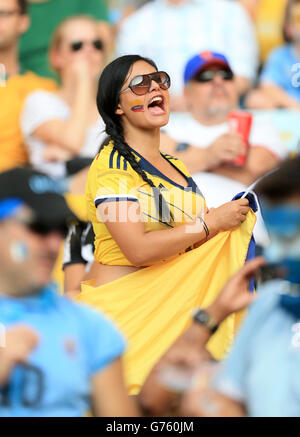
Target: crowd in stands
(226, 59)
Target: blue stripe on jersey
(125, 164)
(115, 199)
(195, 188)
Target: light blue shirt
(171, 34)
(283, 69)
(262, 371)
(75, 343)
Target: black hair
(282, 183)
(23, 6)
(110, 84)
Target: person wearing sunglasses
(156, 245)
(62, 126)
(57, 358)
(203, 139)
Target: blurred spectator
(60, 359)
(45, 17)
(279, 80)
(60, 126)
(261, 374)
(269, 22)
(15, 84)
(202, 138)
(78, 255)
(170, 31)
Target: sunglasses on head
(209, 75)
(78, 45)
(141, 84)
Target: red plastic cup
(241, 122)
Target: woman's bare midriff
(102, 274)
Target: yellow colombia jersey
(111, 178)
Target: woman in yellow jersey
(147, 215)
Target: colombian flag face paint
(137, 106)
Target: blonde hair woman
(158, 252)
(60, 126)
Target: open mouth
(157, 105)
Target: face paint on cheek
(19, 251)
(137, 106)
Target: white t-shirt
(220, 189)
(42, 106)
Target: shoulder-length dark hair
(110, 84)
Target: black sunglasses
(42, 229)
(209, 75)
(141, 84)
(78, 45)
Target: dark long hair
(110, 85)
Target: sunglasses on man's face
(78, 45)
(209, 75)
(44, 230)
(141, 84)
